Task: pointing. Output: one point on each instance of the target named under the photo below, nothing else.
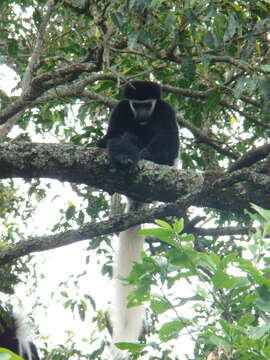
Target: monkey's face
(142, 110)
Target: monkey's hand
(123, 153)
(146, 155)
(122, 162)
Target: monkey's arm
(123, 151)
(118, 121)
(163, 148)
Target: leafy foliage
(237, 289)
(63, 64)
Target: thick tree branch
(149, 182)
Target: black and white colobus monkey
(14, 335)
(142, 126)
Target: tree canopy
(63, 66)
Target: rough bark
(149, 182)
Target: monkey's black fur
(124, 152)
(141, 90)
(142, 126)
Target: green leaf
(130, 4)
(187, 238)
(37, 16)
(132, 39)
(254, 273)
(220, 342)
(91, 300)
(188, 67)
(70, 212)
(160, 233)
(231, 28)
(221, 280)
(171, 330)
(209, 40)
(6, 354)
(164, 224)
(265, 67)
(131, 347)
(262, 298)
(160, 305)
(259, 332)
(178, 225)
(212, 101)
(12, 47)
(82, 310)
(227, 260)
(64, 293)
(220, 24)
(246, 319)
(263, 212)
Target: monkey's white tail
(22, 334)
(127, 321)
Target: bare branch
(28, 74)
(86, 232)
(200, 135)
(223, 231)
(252, 156)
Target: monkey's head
(142, 97)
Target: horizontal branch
(90, 166)
(148, 182)
(223, 231)
(86, 232)
(113, 225)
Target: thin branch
(223, 231)
(28, 75)
(252, 156)
(27, 86)
(204, 94)
(77, 89)
(245, 114)
(206, 139)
